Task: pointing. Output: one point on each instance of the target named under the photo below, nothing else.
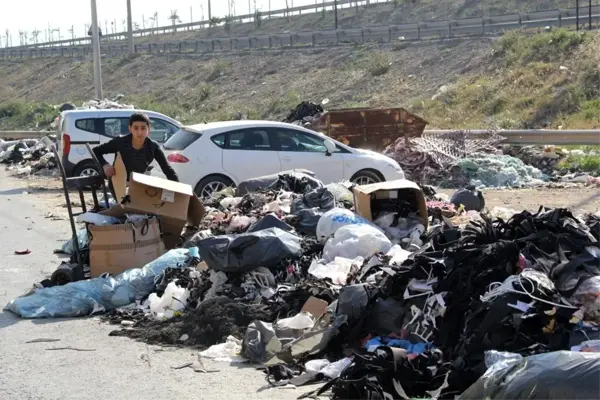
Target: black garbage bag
(248, 251)
(276, 182)
(269, 221)
(310, 208)
(471, 198)
(303, 110)
(552, 376)
(296, 182)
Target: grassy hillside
(259, 84)
(521, 80)
(549, 80)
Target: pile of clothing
(285, 275)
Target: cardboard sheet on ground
(174, 202)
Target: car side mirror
(330, 146)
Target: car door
(86, 131)
(299, 149)
(248, 154)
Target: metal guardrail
(393, 33)
(538, 136)
(18, 135)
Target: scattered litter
(70, 348)
(22, 252)
(43, 340)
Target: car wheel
(366, 177)
(211, 184)
(85, 170)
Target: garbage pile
(380, 302)
(29, 156)
(106, 104)
(490, 170)
(546, 158)
(430, 158)
(305, 114)
(93, 104)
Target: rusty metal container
(370, 128)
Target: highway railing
(378, 34)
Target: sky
(41, 15)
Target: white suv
(78, 127)
(212, 156)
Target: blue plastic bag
(98, 294)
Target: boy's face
(139, 130)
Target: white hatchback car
(212, 156)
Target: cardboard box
(365, 197)
(174, 202)
(117, 248)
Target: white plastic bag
(301, 321)
(336, 270)
(225, 352)
(334, 219)
(173, 299)
(97, 219)
(352, 241)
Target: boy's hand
(109, 170)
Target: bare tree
(174, 19)
(34, 35)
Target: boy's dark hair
(139, 117)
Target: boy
(137, 150)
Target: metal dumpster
(370, 128)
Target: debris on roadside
(373, 290)
(305, 113)
(29, 157)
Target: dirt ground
(580, 199)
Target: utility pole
(590, 15)
(130, 28)
(209, 11)
(96, 51)
(335, 13)
(577, 13)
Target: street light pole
(96, 51)
(130, 28)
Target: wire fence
(469, 27)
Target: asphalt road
(119, 368)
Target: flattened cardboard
(119, 179)
(316, 307)
(401, 188)
(175, 202)
(117, 248)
